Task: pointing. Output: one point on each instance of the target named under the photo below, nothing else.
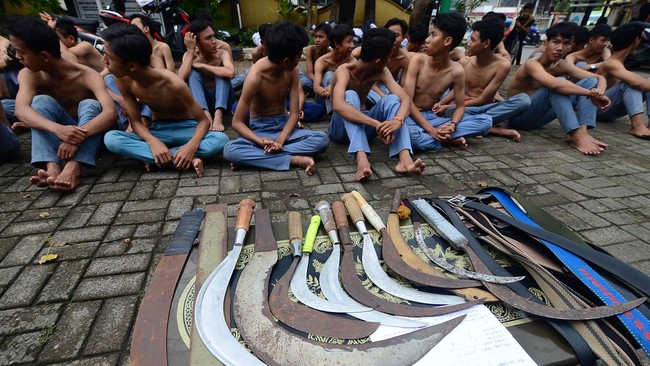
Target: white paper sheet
(480, 339)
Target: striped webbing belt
(635, 323)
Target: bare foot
(69, 177)
(233, 167)
(197, 164)
(19, 127)
(306, 162)
(642, 132)
(149, 167)
(460, 143)
(581, 140)
(217, 122)
(413, 168)
(44, 176)
(364, 170)
(505, 132)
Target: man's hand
(448, 129)
(596, 93)
(161, 154)
(388, 128)
(440, 134)
(327, 91)
(67, 151)
(440, 109)
(271, 146)
(71, 134)
(602, 102)
(183, 157)
(190, 41)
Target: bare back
(428, 93)
(398, 64)
(271, 87)
(88, 55)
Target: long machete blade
(371, 264)
(209, 310)
(329, 276)
(277, 346)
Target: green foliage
(207, 6)
(47, 333)
(246, 37)
(562, 5)
(285, 9)
(36, 6)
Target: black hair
(35, 33)
(418, 33)
(564, 30)
(263, 30)
(377, 44)
(528, 6)
(66, 27)
(624, 35)
(338, 34)
(581, 35)
(146, 21)
(325, 27)
(397, 21)
(198, 26)
(497, 16)
(601, 30)
(129, 43)
(452, 25)
(201, 16)
(285, 39)
(490, 29)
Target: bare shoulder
(465, 61)
(457, 69)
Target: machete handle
(353, 207)
(325, 211)
(415, 215)
(340, 215)
(394, 205)
(295, 226)
(369, 212)
(245, 213)
(310, 238)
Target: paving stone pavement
(80, 308)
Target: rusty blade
(276, 346)
(308, 320)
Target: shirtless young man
(84, 51)
(352, 124)
(485, 71)
(552, 96)
(179, 133)
(208, 72)
(272, 141)
(596, 51)
(342, 45)
(320, 47)
(626, 89)
(160, 49)
(428, 130)
(257, 53)
(71, 112)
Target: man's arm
(294, 111)
(319, 68)
(389, 127)
(632, 79)
(184, 156)
(167, 56)
(341, 107)
(536, 71)
(579, 74)
(356, 53)
(500, 49)
(311, 50)
(28, 84)
(226, 71)
(458, 77)
(188, 58)
(252, 84)
(105, 119)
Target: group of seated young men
(412, 99)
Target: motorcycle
(533, 38)
(86, 29)
(171, 31)
(640, 57)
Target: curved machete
(277, 346)
(304, 318)
(355, 288)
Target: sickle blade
(276, 346)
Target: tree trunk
(369, 12)
(310, 13)
(346, 12)
(421, 12)
(334, 14)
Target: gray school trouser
(211, 99)
(625, 101)
(328, 77)
(242, 151)
(359, 135)
(546, 105)
(477, 125)
(499, 111)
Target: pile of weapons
(572, 312)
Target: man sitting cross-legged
(272, 141)
(208, 71)
(342, 45)
(552, 96)
(626, 89)
(430, 74)
(178, 133)
(591, 56)
(71, 113)
(352, 124)
(485, 71)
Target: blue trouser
(174, 134)
(373, 96)
(359, 135)
(306, 82)
(211, 99)
(242, 151)
(122, 118)
(476, 125)
(625, 101)
(11, 80)
(238, 81)
(45, 145)
(328, 77)
(499, 111)
(546, 105)
(9, 144)
(9, 106)
(313, 111)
